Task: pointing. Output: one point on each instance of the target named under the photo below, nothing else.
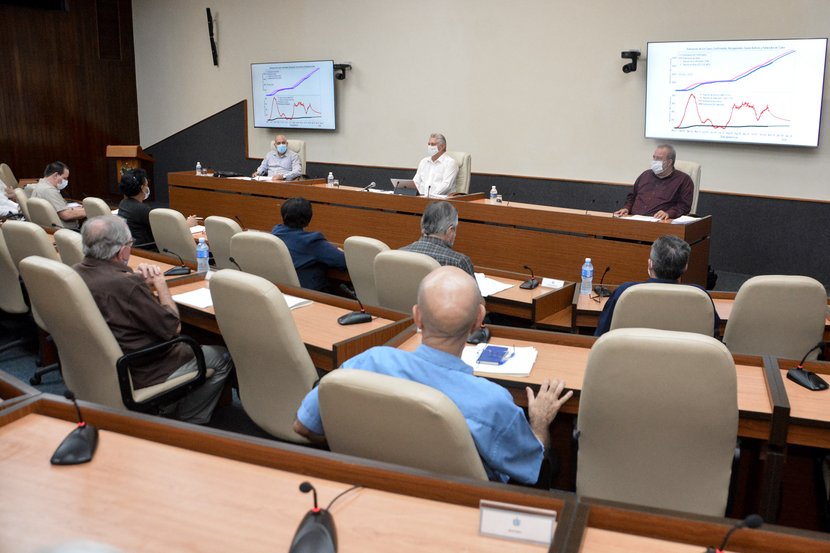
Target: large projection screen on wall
(293, 95)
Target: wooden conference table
(158, 485)
(553, 241)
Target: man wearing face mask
(662, 191)
(56, 178)
(280, 163)
(436, 172)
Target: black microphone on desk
(590, 206)
(752, 521)
(355, 317)
(182, 269)
(481, 335)
(368, 186)
(429, 186)
(241, 224)
(316, 531)
(510, 199)
(601, 290)
(79, 446)
(238, 268)
(532, 282)
(808, 379)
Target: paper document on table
(197, 229)
(70, 205)
(489, 286)
(642, 218)
(376, 191)
(294, 301)
(520, 363)
(242, 178)
(199, 299)
(685, 220)
(552, 283)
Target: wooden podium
(129, 157)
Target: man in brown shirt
(662, 191)
(138, 319)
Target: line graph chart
(293, 95)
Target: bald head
(449, 303)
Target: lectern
(129, 157)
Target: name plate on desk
(516, 522)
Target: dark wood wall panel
(59, 100)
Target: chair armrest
(122, 367)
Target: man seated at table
(8, 201)
(662, 191)
(280, 163)
(668, 260)
(139, 319)
(311, 253)
(449, 307)
(56, 178)
(436, 172)
(439, 225)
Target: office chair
(665, 306)
(397, 277)
(658, 421)
(12, 301)
(265, 255)
(219, 232)
(360, 254)
(96, 207)
(298, 147)
(273, 366)
(691, 168)
(172, 233)
(70, 246)
(43, 213)
(778, 315)
(23, 202)
(394, 420)
(7, 176)
(462, 180)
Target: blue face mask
(281, 148)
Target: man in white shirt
(436, 172)
(8, 206)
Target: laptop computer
(404, 187)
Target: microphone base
(807, 379)
(78, 447)
(530, 284)
(602, 291)
(353, 318)
(479, 336)
(177, 271)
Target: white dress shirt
(437, 177)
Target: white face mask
(147, 193)
(657, 166)
(432, 150)
(63, 184)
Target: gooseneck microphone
(601, 290)
(79, 446)
(429, 186)
(805, 378)
(316, 531)
(355, 317)
(510, 198)
(752, 521)
(238, 268)
(368, 186)
(182, 269)
(532, 282)
(241, 224)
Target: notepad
(489, 286)
(294, 301)
(197, 229)
(519, 364)
(199, 299)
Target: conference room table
(507, 236)
(161, 485)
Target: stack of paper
(199, 299)
(197, 229)
(489, 286)
(294, 301)
(520, 364)
(685, 220)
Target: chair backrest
(394, 420)
(86, 347)
(219, 232)
(360, 254)
(779, 315)
(691, 168)
(24, 239)
(397, 277)
(273, 366)
(171, 232)
(462, 180)
(7, 176)
(23, 202)
(11, 294)
(658, 421)
(265, 255)
(96, 207)
(665, 306)
(296, 146)
(70, 246)
(43, 213)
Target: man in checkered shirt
(439, 225)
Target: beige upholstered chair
(665, 306)
(96, 207)
(11, 295)
(70, 246)
(397, 277)
(7, 176)
(274, 369)
(24, 239)
(297, 146)
(360, 261)
(658, 420)
(779, 315)
(88, 351)
(43, 213)
(364, 413)
(23, 202)
(265, 255)
(692, 169)
(462, 180)
(219, 232)
(172, 233)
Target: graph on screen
(297, 95)
(759, 91)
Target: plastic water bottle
(330, 180)
(198, 167)
(202, 256)
(493, 194)
(587, 277)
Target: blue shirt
(288, 165)
(312, 255)
(604, 323)
(503, 437)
